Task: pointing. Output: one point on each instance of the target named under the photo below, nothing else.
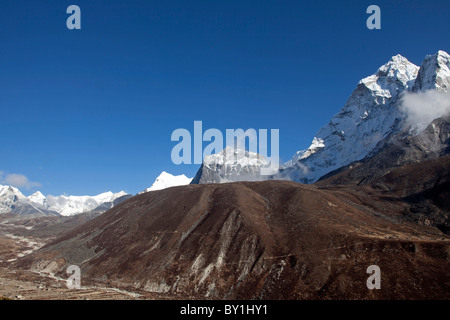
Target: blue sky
(91, 110)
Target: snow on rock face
(434, 73)
(71, 205)
(38, 198)
(9, 197)
(316, 144)
(369, 115)
(429, 98)
(232, 164)
(234, 157)
(167, 180)
(391, 78)
(12, 200)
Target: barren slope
(269, 240)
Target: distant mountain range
(13, 201)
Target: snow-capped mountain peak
(9, 196)
(233, 164)
(235, 157)
(398, 67)
(395, 75)
(38, 198)
(11, 199)
(10, 191)
(369, 115)
(167, 180)
(434, 73)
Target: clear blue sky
(90, 110)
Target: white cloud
(18, 180)
(422, 108)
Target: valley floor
(27, 285)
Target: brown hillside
(264, 240)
